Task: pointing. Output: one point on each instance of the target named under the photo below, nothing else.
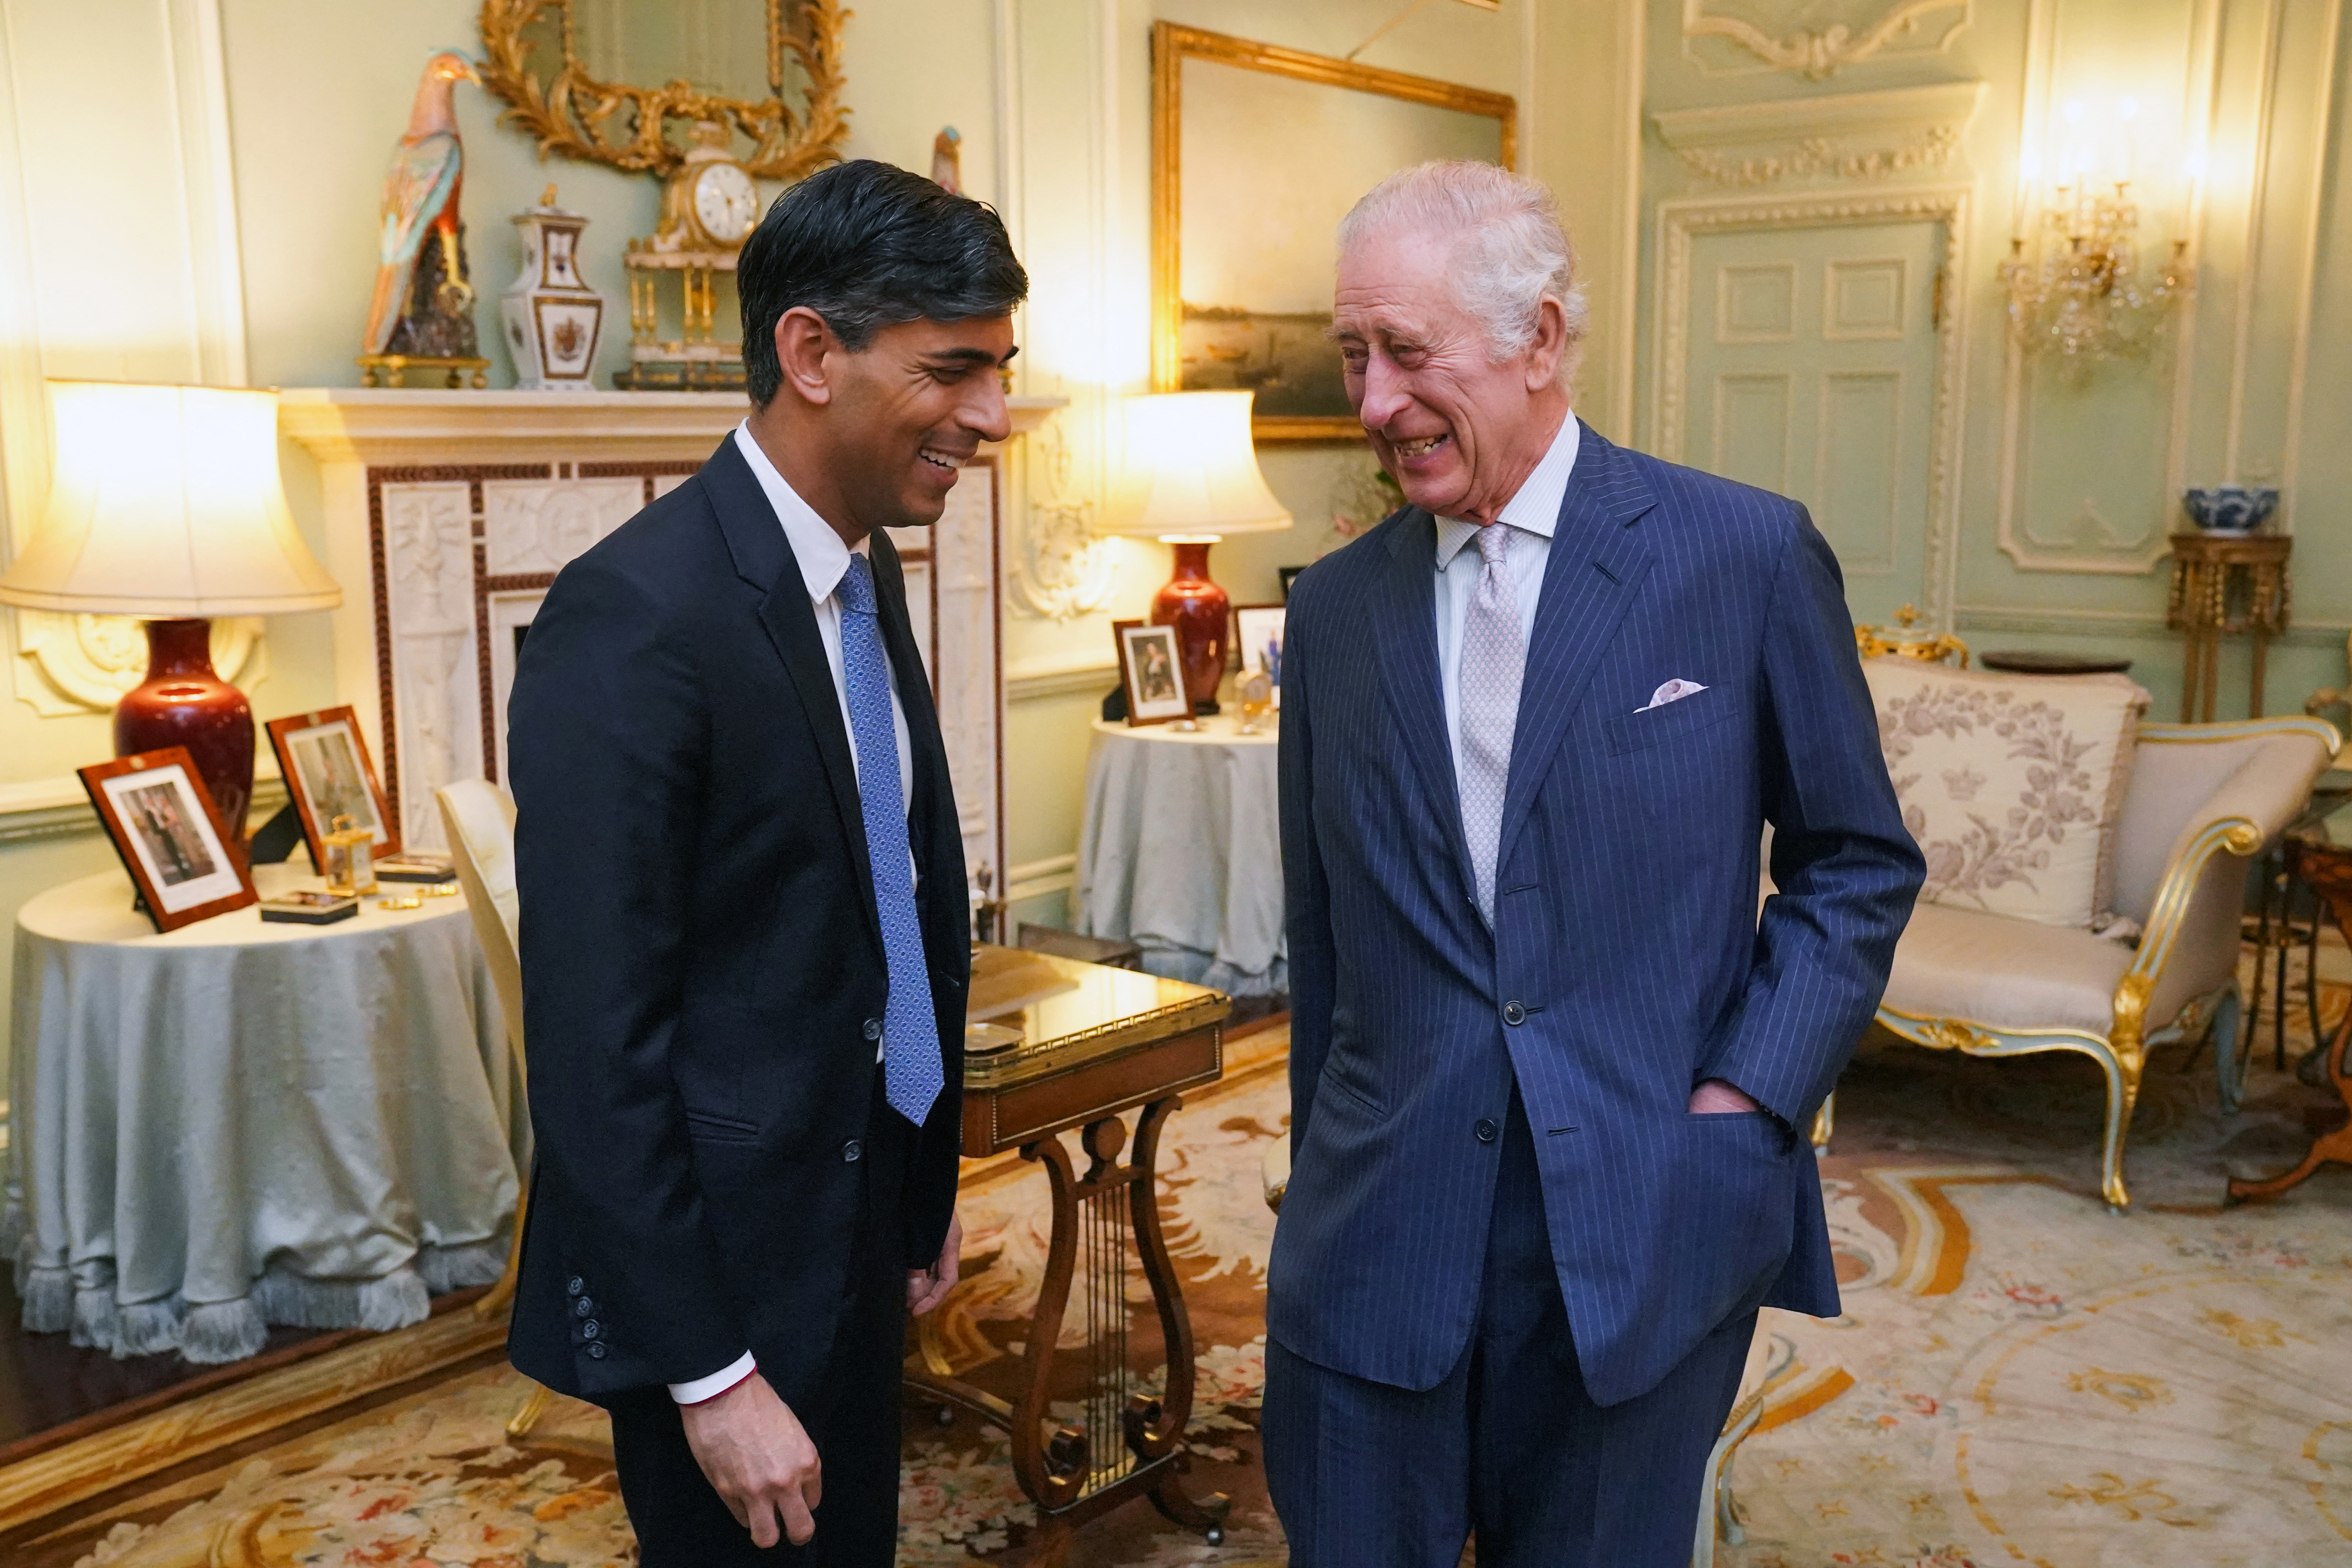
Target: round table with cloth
(240, 1124)
(1180, 853)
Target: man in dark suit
(744, 927)
(1550, 1076)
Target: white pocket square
(1673, 691)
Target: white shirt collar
(1535, 505)
(822, 556)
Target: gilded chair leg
(534, 1405)
(1825, 1124)
(496, 1299)
(2122, 1094)
(2231, 1049)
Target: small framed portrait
(169, 834)
(1257, 634)
(328, 775)
(1152, 673)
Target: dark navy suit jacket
(1626, 963)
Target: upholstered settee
(2201, 799)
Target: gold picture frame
(567, 109)
(1173, 47)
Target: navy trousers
(1509, 1447)
(680, 1522)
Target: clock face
(726, 203)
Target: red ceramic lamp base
(183, 702)
(1202, 617)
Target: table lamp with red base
(1190, 478)
(164, 503)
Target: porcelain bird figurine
(423, 303)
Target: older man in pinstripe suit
(1549, 1072)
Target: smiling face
(1459, 432)
(875, 438)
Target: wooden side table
(2223, 584)
(1086, 1043)
(2327, 869)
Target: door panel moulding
(1679, 223)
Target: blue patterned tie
(911, 1073)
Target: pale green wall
(2267, 345)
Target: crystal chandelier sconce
(2073, 276)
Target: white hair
(1511, 256)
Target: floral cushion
(2011, 783)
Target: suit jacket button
(1514, 1014)
(595, 1348)
(583, 1307)
(591, 1328)
(574, 1285)
(850, 1152)
(874, 1028)
(1486, 1130)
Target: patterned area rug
(2020, 1377)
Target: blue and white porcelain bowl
(2230, 508)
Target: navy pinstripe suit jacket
(1626, 963)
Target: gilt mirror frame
(575, 113)
(1171, 45)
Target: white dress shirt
(1534, 512)
(822, 560)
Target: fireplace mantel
(449, 513)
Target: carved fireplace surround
(449, 513)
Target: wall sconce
(2072, 273)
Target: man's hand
(927, 1287)
(1716, 1098)
(759, 1459)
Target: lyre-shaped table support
(1072, 1473)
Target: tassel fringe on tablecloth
(211, 1333)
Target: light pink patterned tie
(1493, 658)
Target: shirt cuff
(702, 1390)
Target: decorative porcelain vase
(553, 321)
(2230, 508)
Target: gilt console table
(2223, 584)
(1074, 1046)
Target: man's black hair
(868, 245)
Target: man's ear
(1549, 342)
(803, 343)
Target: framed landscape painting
(1257, 152)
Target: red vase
(1202, 617)
(183, 702)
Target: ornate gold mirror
(768, 71)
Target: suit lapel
(1408, 606)
(1597, 562)
(763, 558)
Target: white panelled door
(1812, 372)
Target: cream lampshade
(1190, 478)
(164, 503)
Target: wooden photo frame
(1257, 152)
(1152, 672)
(324, 758)
(171, 837)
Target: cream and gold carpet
(2020, 1377)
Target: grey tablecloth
(1180, 853)
(238, 1124)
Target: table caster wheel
(1214, 1535)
